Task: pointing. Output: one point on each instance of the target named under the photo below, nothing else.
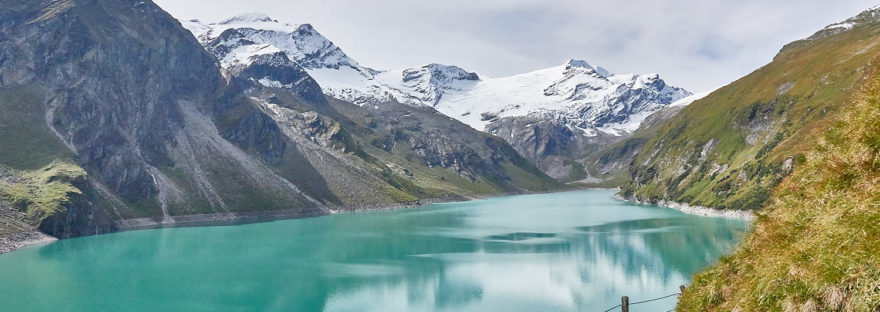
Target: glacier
(587, 99)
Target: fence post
(624, 304)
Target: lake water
(574, 251)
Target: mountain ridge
(112, 129)
(730, 149)
(585, 106)
(363, 85)
(814, 243)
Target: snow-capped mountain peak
(573, 63)
(428, 83)
(237, 39)
(248, 18)
(581, 96)
(439, 73)
(586, 98)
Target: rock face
(278, 71)
(239, 40)
(119, 89)
(428, 83)
(552, 146)
(731, 148)
(595, 106)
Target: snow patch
(690, 99)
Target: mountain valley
(118, 116)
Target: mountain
(587, 98)
(610, 165)
(731, 148)
(814, 247)
(243, 36)
(106, 129)
(584, 106)
(238, 40)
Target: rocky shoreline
(15, 241)
(697, 210)
(12, 242)
(233, 218)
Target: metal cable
(655, 299)
(643, 301)
(612, 308)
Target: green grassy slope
(36, 169)
(33, 145)
(730, 148)
(816, 247)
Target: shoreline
(239, 218)
(15, 241)
(696, 210)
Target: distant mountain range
(587, 98)
(590, 104)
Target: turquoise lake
(573, 251)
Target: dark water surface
(575, 251)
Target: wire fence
(624, 302)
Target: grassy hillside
(730, 148)
(611, 165)
(36, 169)
(816, 247)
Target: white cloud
(697, 44)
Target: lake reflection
(575, 251)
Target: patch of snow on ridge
(869, 16)
(690, 99)
(844, 25)
(246, 54)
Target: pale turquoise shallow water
(574, 251)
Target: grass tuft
(816, 247)
(41, 193)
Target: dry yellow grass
(817, 245)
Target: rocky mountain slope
(583, 107)
(731, 148)
(115, 116)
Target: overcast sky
(696, 44)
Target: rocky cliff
(115, 116)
